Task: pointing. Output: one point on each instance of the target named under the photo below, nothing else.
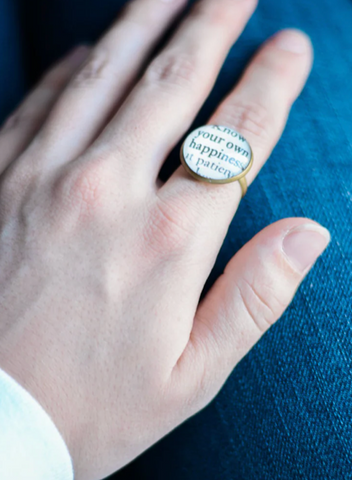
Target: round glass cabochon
(216, 153)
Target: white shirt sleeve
(31, 447)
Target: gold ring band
(244, 187)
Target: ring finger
(258, 108)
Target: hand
(102, 267)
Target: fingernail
(78, 55)
(293, 41)
(304, 244)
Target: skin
(102, 266)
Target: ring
(217, 154)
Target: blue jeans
(286, 411)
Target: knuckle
(95, 69)
(54, 79)
(15, 184)
(174, 69)
(261, 303)
(271, 64)
(84, 188)
(224, 13)
(17, 120)
(250, 118)
(213, 13)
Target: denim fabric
(12, 73)
(286, 411)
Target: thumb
(255, 289)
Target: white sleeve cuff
(31, 447)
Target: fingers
(258, 109)
(166, 100)
(261, 103)
(257, 286)
(95, 93)
(20, 128)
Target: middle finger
(168, 97)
